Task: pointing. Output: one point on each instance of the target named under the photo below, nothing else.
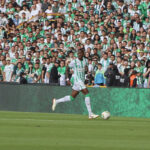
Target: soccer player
(79, 65)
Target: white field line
(42, 120)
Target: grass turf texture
(43, 131)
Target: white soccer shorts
(78, 86)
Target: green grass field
(43, 131)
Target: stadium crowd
(39, 38)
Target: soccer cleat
(93, 116)
(53, 104)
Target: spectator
(99, 76)
(117, 76)
(54, 76)
(125, 80)
(8, 71)
(3, 19)
(89, 79)
(105, 61)
(23, 79)
(26, 12)
(90, 66)
(139, 80)
(133, 79)
(55, 8)
(48, 12)
(110, 75)
(62, 73)
(34, 13)
(62, 8)
(2, 69)
(18, 72)
(48, 66)
(3, 8)
(43, 66)
(30, 73)
(37, 73)
(44, 5)
(16, 20)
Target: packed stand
(39, 38)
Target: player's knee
(87, 95)
(72, 98)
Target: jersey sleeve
(72, 64)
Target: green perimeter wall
(37, 98)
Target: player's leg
(64, 99)
(88, 103)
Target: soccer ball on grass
(105, 115)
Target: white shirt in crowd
(26, 12)
(8, 72)
(62, 10)
(39, 5)
(12, 54)
(3, 9)
(34, 13)
(48, 12)
(3, 21)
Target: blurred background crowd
(38, 39)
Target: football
(105, 115)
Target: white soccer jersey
(78, 67)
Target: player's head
(80, 53)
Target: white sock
(88, 105)
(64, 99)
